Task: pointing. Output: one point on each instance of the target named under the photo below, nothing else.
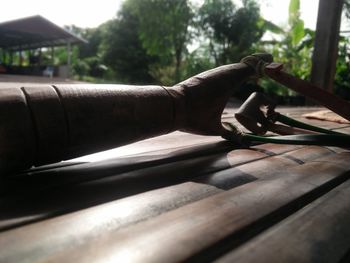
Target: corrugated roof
(34, 32)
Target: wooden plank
(236, 176)
(206, 162)
(22, 207)
(318, 233)
(26, 206)
(39, 179)
(165, 143)
(39, 241)
(245, 173)
(53, 176)
(49, 167)
(200, 230)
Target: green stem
(308, 139)
(294, 123)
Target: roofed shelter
(32, 33)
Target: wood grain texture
(194, 230)
(318, 233)
(263, 167)
(38, 242)
(79, 186)
(22, 200)
(40, 178)
(70, 188)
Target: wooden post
(20, 58)
(39, 59)
(31, 53)
(5, 56)
(11, 57)
(69, 53)
(326, 43)
(52, 55)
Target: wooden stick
(327, 99)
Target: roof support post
(52, 55)
(69, 54)
(3, 60)
(20, 58)
(326, 43)
(5, 56)
(11, 57)
(39, 59)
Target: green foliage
(346, 8)
(296, 24)
(294, 7)
(94, 36)
(269, 26)
(297, 32)
(197, 62)
(164, 30)
(123, 51)
(342, 77)
(294, 50)
(81, 68)
(60, 56)
(231, 31)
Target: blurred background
(166, 41)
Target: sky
(276, 11)
(82, 13)
(91, 13)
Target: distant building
(33, 33)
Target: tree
(230, 31)
(164, 29)
(123, 50)
(346, 9)
(89, 57)
(81, 68)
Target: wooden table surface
(182, 197)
